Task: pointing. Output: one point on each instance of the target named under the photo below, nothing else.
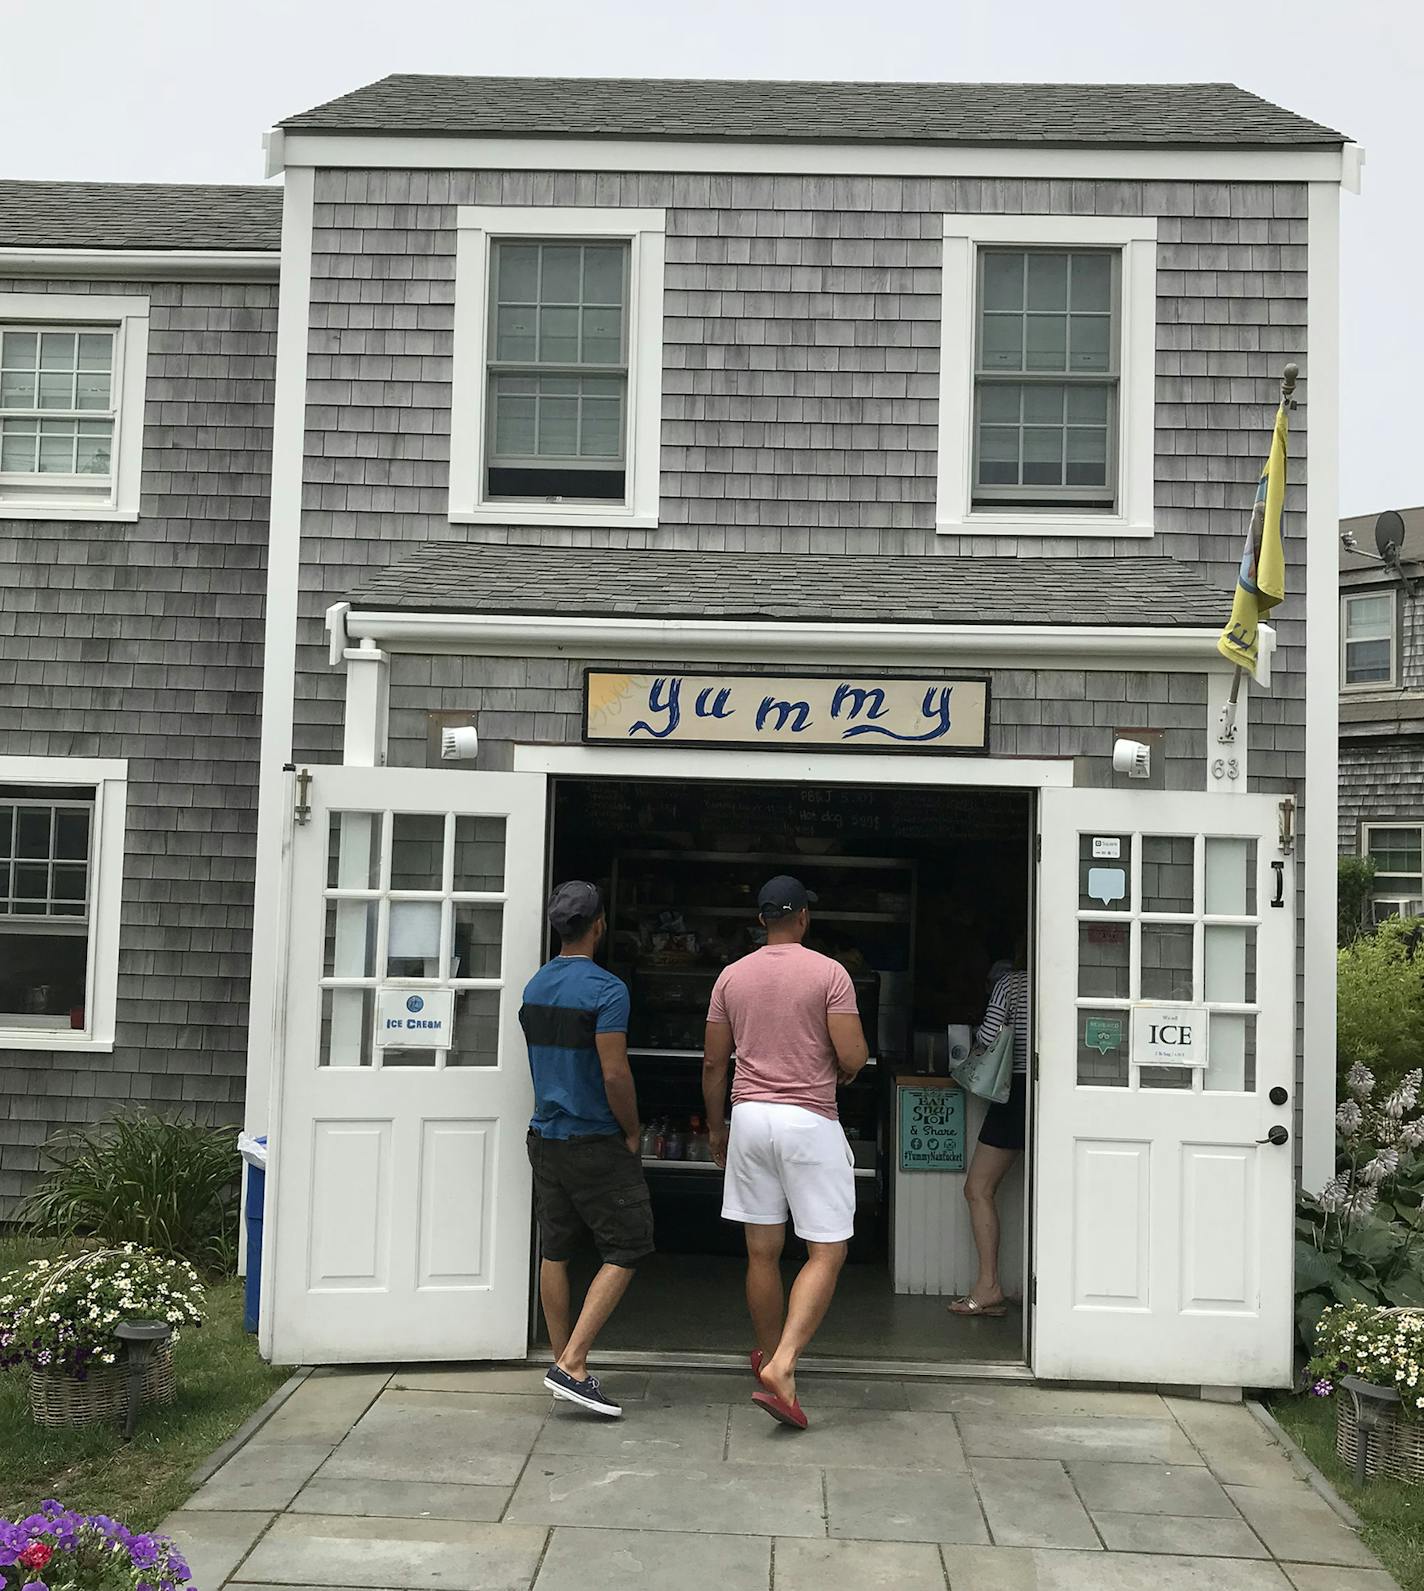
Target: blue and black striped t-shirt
(566, 1003)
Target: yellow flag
(1261, 584)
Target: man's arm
(716, 1059)
(848, 1039)
(618, 1085)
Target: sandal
(969, 1305)
(758, 1359)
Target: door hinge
(1038, 847)
(302, 811)
(1033, 1289)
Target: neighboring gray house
(1382, 711)
(137, 338)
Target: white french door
(1166, 1055)
(400, 1224)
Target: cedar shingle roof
(470, 577)
(139, 215)
(1144, 115)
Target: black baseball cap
(782, 897)
(573, 907)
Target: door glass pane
(1230, 878)
(1229, 971)
(1103, 1048)
(354, 851)
(479, 853)
(413, 939)
(476, 1028)
(1166, 961)
(1104, 878)
(347, 1018)
(1103, 961)
(1231, 1053)
(478, 938)
(1167, 869)
(1164, 1077)
(350, 939)
(417, 850)
(391, 1056)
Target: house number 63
(1226, 768)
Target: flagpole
(1289, 376)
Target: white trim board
(287, 149)
(964, 236)
(145, 265)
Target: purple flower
(1322, 1389)
(34, 1585)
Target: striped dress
(1008, 1003)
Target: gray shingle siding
(144, 641)
(1381, 781)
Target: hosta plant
(1382, 1346)
(60, 1315)
(57, 1549)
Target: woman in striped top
(1001, 1138)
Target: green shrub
(1380, 1018)
(1356, 881)
(167, 1185)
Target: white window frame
(478, 227)
(1346, 598)
(1394, 897)
(1135, 238)
(109, 777)
(127, 317)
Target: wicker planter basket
(1396, 1446)
(58, 1399)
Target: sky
(182, 90)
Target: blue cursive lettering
(856, 698)
(799, 714)
(719, 707)
(665, 697)
(935, 707)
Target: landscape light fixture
(140, 1338)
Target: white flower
(1360, 1081)
(1359, 1205)
(1349, 1117)
(1334, 1194)
(1381, 1168)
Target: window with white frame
(1367, 639)
(61, 869)
(557, 391)
(1397, 850)
(1047, 375)
(71, 404)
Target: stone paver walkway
(475, 1480)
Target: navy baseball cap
(783, 896)
(574, 906)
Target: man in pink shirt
(790, 1017)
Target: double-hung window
(1367, 639)
(1397, 850)
(71, 405)
(1047, 375)
(557, 389)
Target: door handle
(1277, 1135)
(1280, 872)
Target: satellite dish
(1389, 535)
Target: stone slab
(646, 1560)
(261, 1479)
(1151, 1489)
(648, 1434)
(214, 1543)
(396, 1499)
(726, 1499)
(866, 1565)
(903, 1505)
(1236, 1447)
(1016, 1569)
(323, 1409)
(1069, 1437)
(480, 1439)
(397, 1554)
(845, 1392)
(699, 1386)
(1030, 1502)
(627, 1385)
(987, 1400)
(1301, 1525)
(853, 1438)
(1202, 1538)
(1318, 1577)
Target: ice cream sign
(410, 1019)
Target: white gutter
(168, 265)
(525, 635)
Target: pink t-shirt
(776, 1002)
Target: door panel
(398, 1167)
(1158, 922)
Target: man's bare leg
(554, 1296)
(766, 1296)
(604, 1291)
(811, 1295)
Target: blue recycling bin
(256, 1199)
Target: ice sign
(1107, 884)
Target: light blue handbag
(988, 1070)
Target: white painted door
(1163, 1226)
(400, 1227)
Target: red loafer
(758, 1359)
(779, 1409)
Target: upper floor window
(556, 407)
(1397, 850)
(1046, 377)
(1367, 639)
(71, 405)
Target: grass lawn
(1393, 1514)
(220, 1380)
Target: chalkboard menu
(931, 1128)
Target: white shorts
(783, 1159)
